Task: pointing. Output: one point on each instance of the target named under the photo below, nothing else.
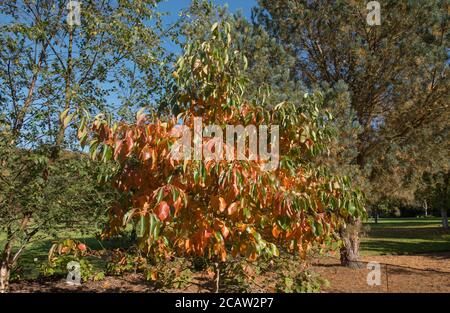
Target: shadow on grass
(405, 247)
(405, 222)
(405, 236)
(430, 233)
(35, 256)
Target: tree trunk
(350, 239)
(18, 123)
(444, 218)
(5, 273)
(376, 216)
(5, 268)
(68, 97)
(9, 259)
(217, 278)
(425, 207)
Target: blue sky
(173, 7)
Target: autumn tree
(395, 76)
(215, 207)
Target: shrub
(65, 251)
(303, 282)
(171, 274)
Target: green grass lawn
(389, 236)
(36, 254)
(404, 236)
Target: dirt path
(402, 273)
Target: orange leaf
(177, 205)
(233, 208)
(275, 231)
(129, 142)
(154, 275)
(154, 159)
(222, 205)
(223, 255)
(225, 231)
(188, 245)
(207, 234)
(146, 153)
(118, 149)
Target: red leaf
(207, 233)
(163, 211)
(118, 149)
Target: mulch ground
(399, 273)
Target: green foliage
(125, 262)
(62, 253)
(386, 85)
(49, 70)
(55, 194)
(58, 268)
(39, 197)
(436, 189)
(236, 276)
(172, 274)
(303, 282)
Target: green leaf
(351, 208)
(318, 228)
(107, 153)
(214, 26)
(196, 176)
(160, 195)
(274, 250)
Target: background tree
(395, 74)
(40, 197)
(435, 190)
(51, 72)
